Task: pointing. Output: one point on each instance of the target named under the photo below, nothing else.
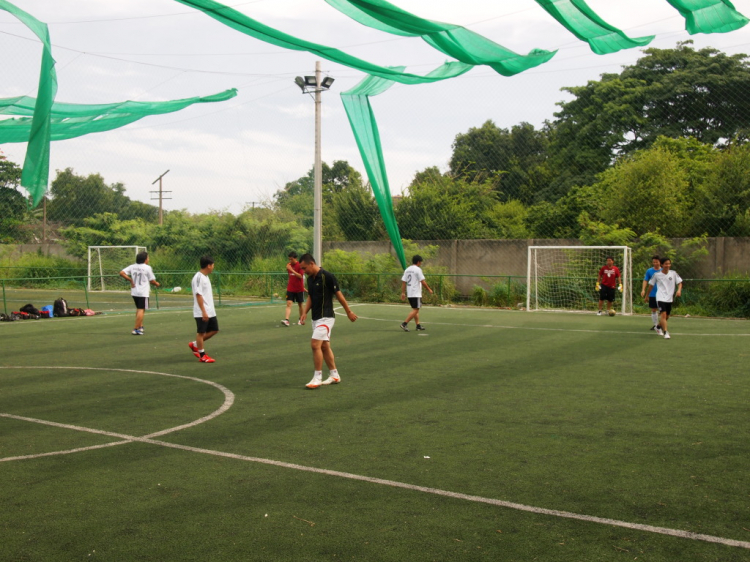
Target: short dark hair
(663, 260)
(307, 258)
(416, 259)
(656, 258)
(292, 254)
(609, 258)
(141, 257)
(206, 261)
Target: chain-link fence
(654, 156)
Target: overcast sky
(232, 154)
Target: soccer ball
(611, 312)
(177, 289)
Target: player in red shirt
(609, 278)
(295, 288)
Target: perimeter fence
(728, 298)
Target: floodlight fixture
(301, 83)
(310, 81)
(326, 83)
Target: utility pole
(318, 175)
(161, 197)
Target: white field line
(383, 482)
(501, 327)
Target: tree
(676, 92)
(514, 159)
(12, 202)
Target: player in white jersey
(141, 277)
(203, 310)
(665, 281)
(411, 287)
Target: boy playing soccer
(203, 310)
(321, 288)
(295, 288)
(651, 298)
(140, 276)
(609, 278)
(665, 282)
(411, 286)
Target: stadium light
(314, 84)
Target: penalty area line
(391, 483)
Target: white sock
(655, 318)
(318, 375)
(334, 372)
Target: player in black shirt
(322, 286)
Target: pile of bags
(60, 308)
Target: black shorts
(141, 303)
(205, 326)
(295, 297)
(607, 293)
(664, 307)
(652, 304)
(415, 302)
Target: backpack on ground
(47, 311)
(60, 308)
(30, 309)
(76, 312)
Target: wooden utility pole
(161, 196)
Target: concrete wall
(11, 252)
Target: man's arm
(199, 299)
(306, 309)
(643, 288)
(403, 290)
(426, 286)
(679, 290)
(290, 269)
(155, 283)
(128, 279)
(342, 300)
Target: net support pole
(86, 291)
(318, 173)
(5, 303)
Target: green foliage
(13, 205)
(38, 266)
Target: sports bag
(49, 309)
(30, 309)
(60, 308)
(76, 312)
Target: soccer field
(495, 435)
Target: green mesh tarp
(365, 129)
(578, 18)
(244, 24)
(453, 40)
(709, 16)
(70, 120)
(36, 164)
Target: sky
(227, 156)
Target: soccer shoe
(137, 333)
(667, 336)
(194, 349)
(658, 331)
(314, 383)
(285, 323)
(599, 313)
(652, 328)
(403, 327)
(332, 380)
(301, 323)
(420, 328)
(206, 359)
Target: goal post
(564, 277)
(106, 261)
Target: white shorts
(322, 329)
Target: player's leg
(321, 334)
(301, 307)
(289, 303)
(206, 329)
(140, 308)
(139, 314)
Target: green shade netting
(70, 120)
(709, 16)
(453, 40)
(365, 129)
(578, 18)
(36, 164)
(244, 24)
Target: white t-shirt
(201, 285)
(413, 276)
(666, 284)
(142, 275)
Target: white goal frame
(98, 251)
(533, 276)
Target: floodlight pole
(161, 197)
(318, 178)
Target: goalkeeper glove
(598, 287)
(620, 288)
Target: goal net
(564, 277)
(106, 263)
